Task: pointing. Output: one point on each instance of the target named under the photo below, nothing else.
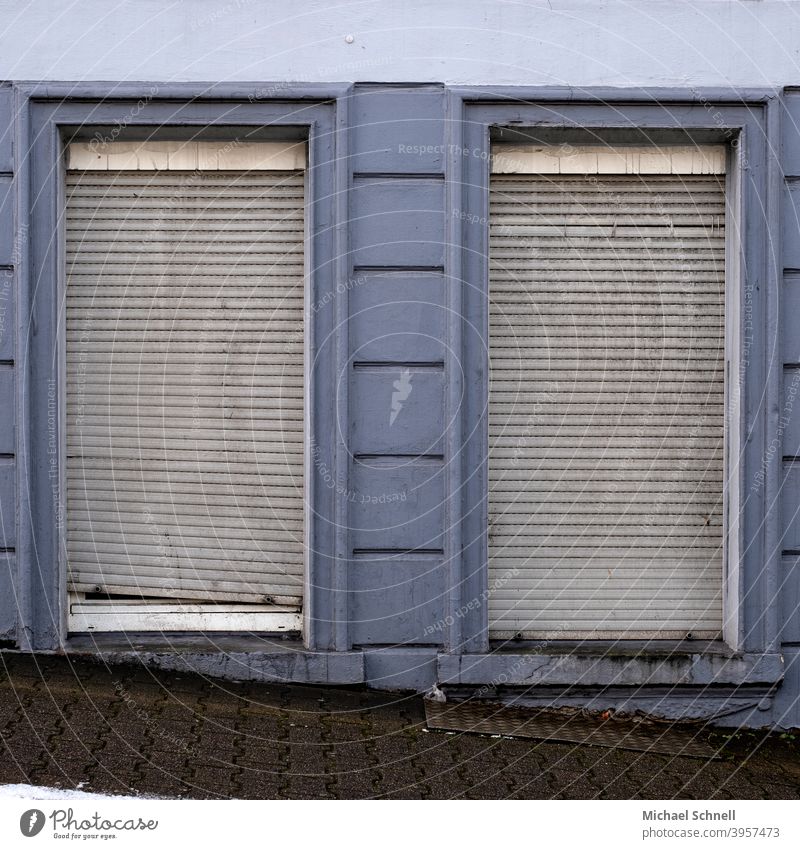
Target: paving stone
(497, 787)
(309, 759)
(221, 753)
(400, 780)
(208, 782)
(24, 746)
(172, 762)
(357, 757)
(13, 770)
(10, 711)
(356, 783)
(144, 781)
(57, 770)
(261, 785)
(306, 787)
(127, 729)
(408, 794)
(268, 758)
(532, 789)
(342, 733)
(263, 727)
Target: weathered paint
(102, 618)
(575, 43)
(234, 658)
(603, 666)
(186, 156)
(203, 497)
(398, 567)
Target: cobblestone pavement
(132, 730)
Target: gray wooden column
(8, 258)
(787, 707)
(396, 370)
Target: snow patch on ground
(28, 791)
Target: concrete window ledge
(228, 657)
(253, 658)
(572, 665)
(613, 666)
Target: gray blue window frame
(750, 120)
(46, 115)
(44, 112)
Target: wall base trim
(230, 657)
(724, 690)
(602, 669)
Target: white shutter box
(184, 351)
(606, 402)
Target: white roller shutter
(184, 326)
(606, 402)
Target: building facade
(485, 379)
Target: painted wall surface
(8, 257)
(536, 42)
(788, 703)
(402, 584)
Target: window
(185, 385)
(606, 401)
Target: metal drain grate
(482, 718)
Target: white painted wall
(521, 42)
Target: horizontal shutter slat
(185, 384)
(606, 406)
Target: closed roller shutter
(606, 405)
(184, 324)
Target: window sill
(615, 648)
(612, 664)
(238, 657)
